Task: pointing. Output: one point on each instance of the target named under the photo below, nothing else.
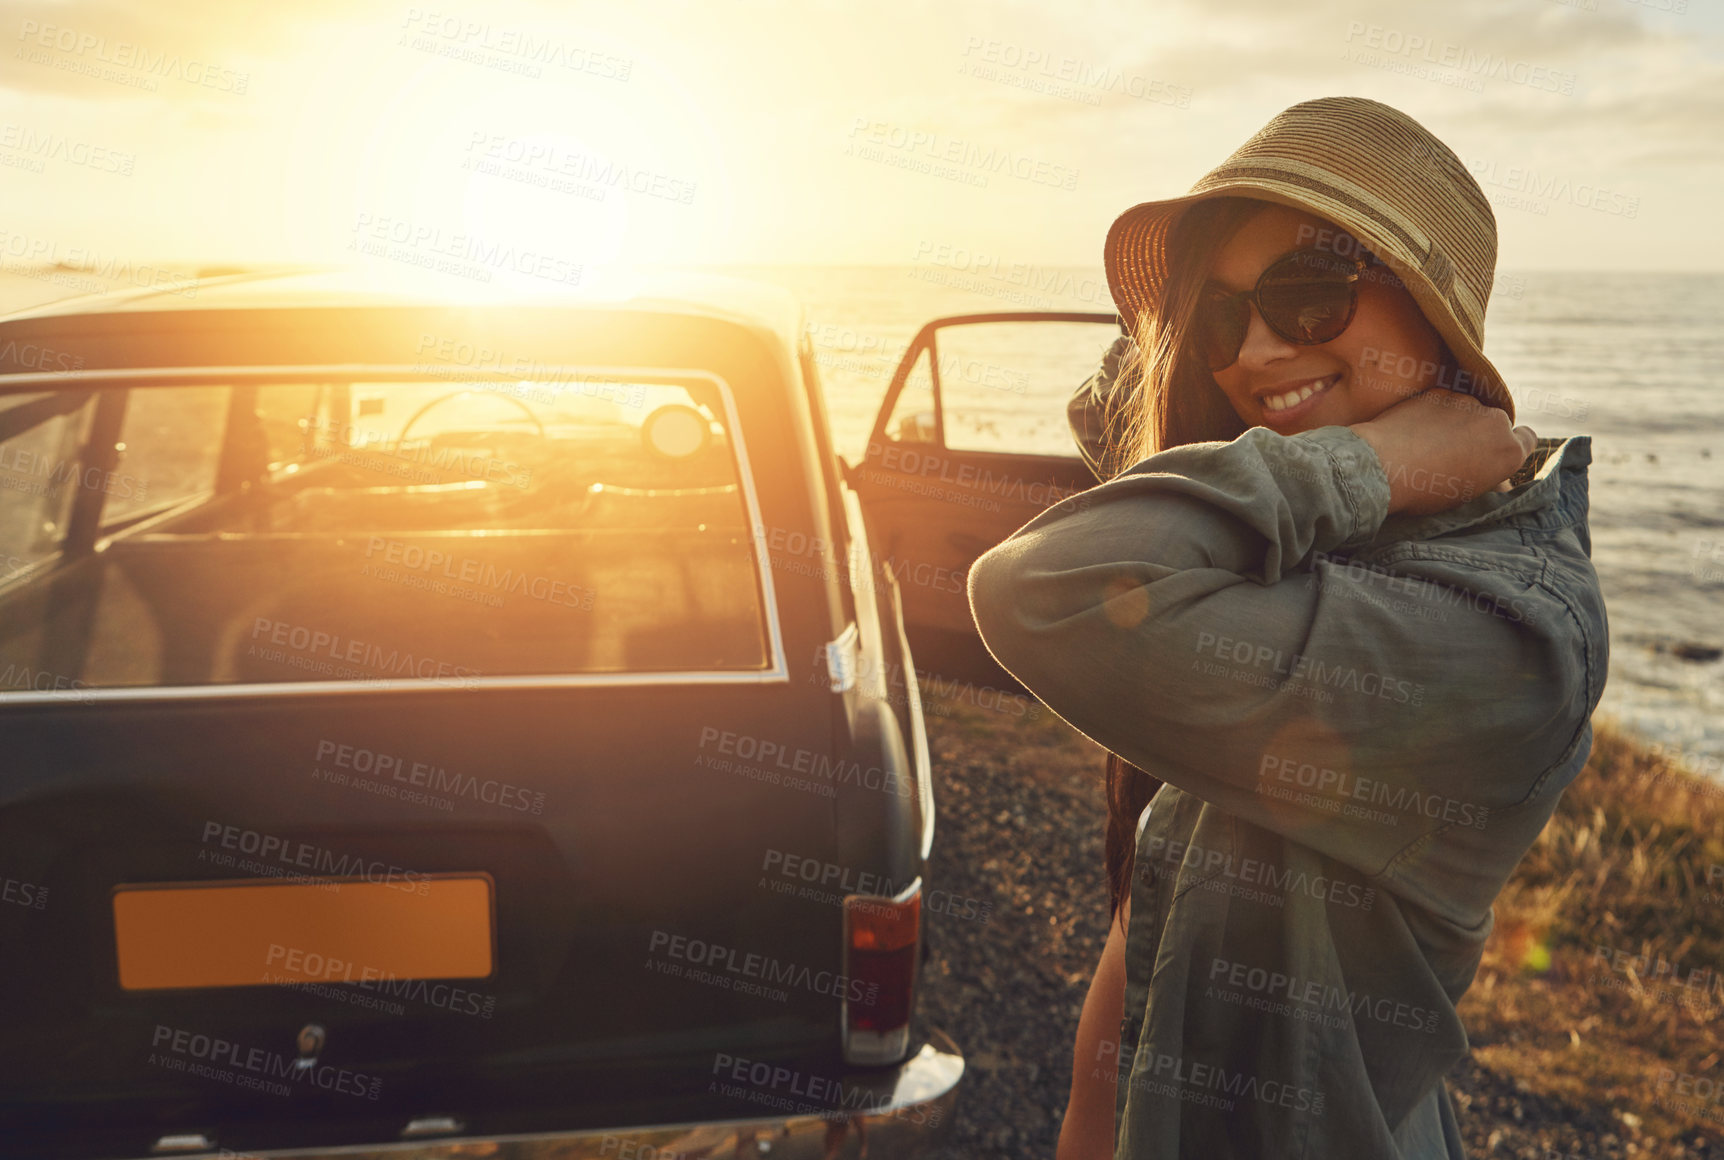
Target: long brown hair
(1176, 401)
(1173, 399)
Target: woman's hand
(1440, 448)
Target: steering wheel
(417, 415)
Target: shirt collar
(1537, 484)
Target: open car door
(971, 443)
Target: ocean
(1624, 358)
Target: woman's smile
(1284, 406)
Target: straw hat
(1376, 173)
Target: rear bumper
(898, 1113)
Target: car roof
(689, 292)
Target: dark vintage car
(447, 729)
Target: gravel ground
(1018, 845)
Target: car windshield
(364, 530)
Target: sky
(195, 134)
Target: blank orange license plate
(249, 933)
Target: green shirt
(1363, 721)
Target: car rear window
(364, 530)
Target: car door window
(913, 418)
(170, 443)
(40, 472)
(1004, 385)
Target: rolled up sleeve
(1187, 616)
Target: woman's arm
(1087, 1131)
(1162, 614)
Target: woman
(1344, 653)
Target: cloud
(1663, 102)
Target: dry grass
(1622, 865)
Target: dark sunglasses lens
(1309, 298)
(1220, 331)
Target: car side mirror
(918, 427)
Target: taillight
(882, 952)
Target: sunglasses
(1306, 296)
